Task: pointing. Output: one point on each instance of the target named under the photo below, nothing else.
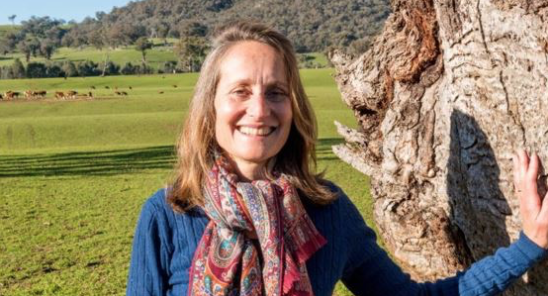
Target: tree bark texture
(447, 92)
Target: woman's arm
(148, 271)
(379, 275)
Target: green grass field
(75, 173)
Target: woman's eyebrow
(278, 84)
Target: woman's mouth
(256, 131)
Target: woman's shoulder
(340, 199)
(158, 208)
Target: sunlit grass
(74, 175)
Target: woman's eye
(240, 92)
(276, 95)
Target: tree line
(67, 69)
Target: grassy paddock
(74, 175)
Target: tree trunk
(447, 92)
(107, 57)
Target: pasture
(74, 174)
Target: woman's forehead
(251, 61)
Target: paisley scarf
(229, 262)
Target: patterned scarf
(228, 262)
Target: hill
(313, 25)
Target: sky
(58, 9)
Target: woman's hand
(534, 210)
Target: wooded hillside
(313, 25)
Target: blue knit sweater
(165, 242)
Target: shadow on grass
(324, 151)
(111, 162)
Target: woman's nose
(258, 106)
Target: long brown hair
(296, 159)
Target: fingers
(523, 161)
(532, 170)
(544, 209)
(525, 182)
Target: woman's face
(252, 104)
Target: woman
(246, 216)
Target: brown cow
(10, 95)
(59, 95)
(40, 93)
(71, 94)
(29, 94)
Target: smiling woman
(247, 215)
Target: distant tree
(69, 69)
(88, 68)
(192, 29)
(128, 69)
(111, 69)
(169, 67)
(54, 70)
(11, 39)
(17, 69)
(191, 52)
(162, 31)
(25, 49)
(36, 70)
(143, 44)
(38, 26)
(12, 19)
(56, 34)
(47, 48)
(3, 47)
(30, 47)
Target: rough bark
(448, 91)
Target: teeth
(263, 131)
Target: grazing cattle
(121, 93)
(106, 87)
(40, 93)
(10, 95)
(1, 97)
(175, 86)
(29, 94)
(59, 95)
(160, 92)
(71, 94)
(130, 88)
(90, 94)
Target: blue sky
(58, 9)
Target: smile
(252, 131)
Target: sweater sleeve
(494, 274)
(148, 271)
(370, 271)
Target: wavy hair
(296, 159)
